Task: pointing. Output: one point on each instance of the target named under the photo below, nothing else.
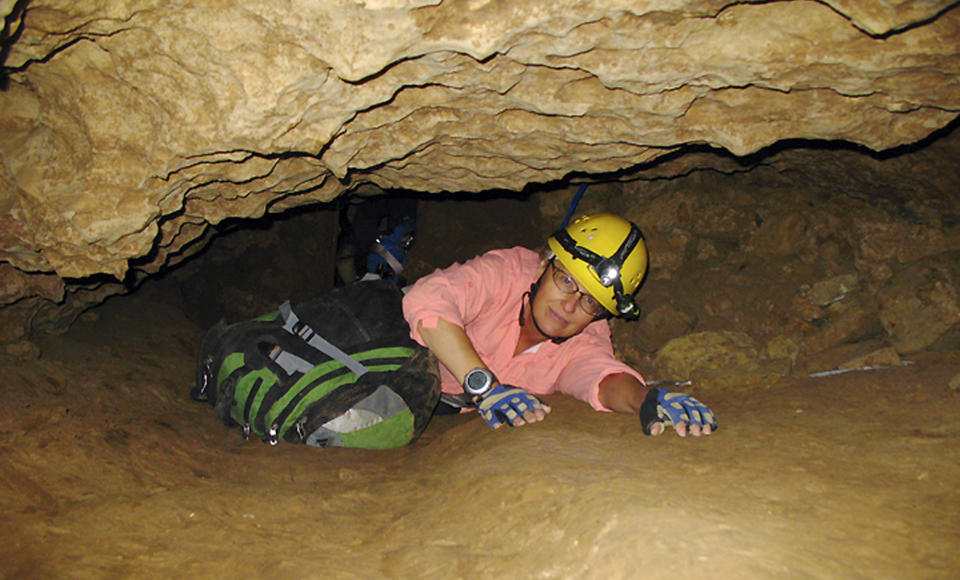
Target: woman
(512, 324)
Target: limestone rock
(883, 16)
(21, 351)
(849, 323)
(15, 285)
(922, 302)
(954, 383)
(779, 234)
(130, 127)
(285, 108)
(884, 357)
(728, 360)
(681, 357)
(660, 325)
(783, 347)
(827, 292)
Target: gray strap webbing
(293, 325)
(289, 362)
(392, 261)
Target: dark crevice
(13, 25)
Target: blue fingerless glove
(669, 408)
(506, 403)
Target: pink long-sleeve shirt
(483, 296)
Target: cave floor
(108, 469)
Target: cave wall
(806, 260)
(130, 128)
(802, 260)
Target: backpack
(338, 370)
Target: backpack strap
(289, 362)
(293, 325)
(389, 258)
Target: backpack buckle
(199, 392)
(271, 437)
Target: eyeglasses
(568, 285)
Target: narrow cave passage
(792, 164)
(252, 267)
(110, 470)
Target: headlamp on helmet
(607, 271)
(608, 256)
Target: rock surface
(921, 302)
(109, 470)
(129, 127)
(821, 257)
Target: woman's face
(558, 313)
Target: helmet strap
(532, 293)
(625, 304)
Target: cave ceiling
(129, 127)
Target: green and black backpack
(339, 370)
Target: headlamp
(607, 271)
(627, 308)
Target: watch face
(478, 381)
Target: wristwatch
(478, 382)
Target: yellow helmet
(607, 256)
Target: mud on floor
(108, 469)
